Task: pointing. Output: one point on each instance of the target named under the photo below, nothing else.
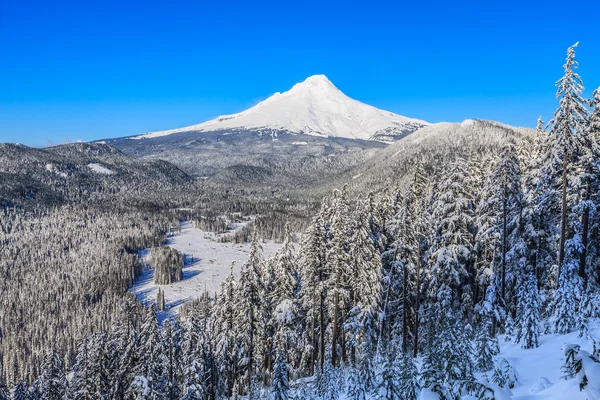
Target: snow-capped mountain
(314, 107)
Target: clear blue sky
(92, 69)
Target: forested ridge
(389, 293)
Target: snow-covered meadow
(207, 264)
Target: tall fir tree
(529, 320)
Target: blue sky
(88, 70)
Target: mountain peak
(317, 80)
(313, 107)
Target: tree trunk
(563, 217)
(313, 341)
(322, 333)
(334, 331)
(343, 338)
(417, 306)
(405, 314)
(170, 364)
(584, 235)
(251, 347)
(504, 246)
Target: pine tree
(286, 271)
(21, 392)
(150, 351)
(52, 383)
(389, 384)
(591, 255)
(249, 298)
(486, 345)
(338, 263)
(313, 289)
(447, 366)
(83, 377)
(100, 364)
(280, 385)
(509, 328)
(356, 386)
(564, 302)
(4, 392)
(529, 318)
(224, 324)
(365, 284)
(140, 389)
(567, 127)
(453, 239)
(408, 378)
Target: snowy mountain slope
(434, 146)
(313, 107)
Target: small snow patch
(541, 384)
(100, 169)
(300, 143)
(52, 168)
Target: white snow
(52, 168)
(314, 107)
(539, 369)
(300, 143)
(100, 169)
(210, 266)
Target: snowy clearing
(100, 169)
(207, 264)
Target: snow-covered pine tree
(509, 328)
(285, 292)
(485, 344)
(52, 383)
(325, 382)
(286, 270)
(568, 125)
(409, 227)
(100, 364)
(83, 374)
(408, 378)
(249, 301)
(564, 301)
(4, 392)
(356, 387)
(280, 385)
(312, 294)
(453, 238)
(170, 338)
(447, 366)
(338, 263)
(140, 389)
(225, 339)
(529, 319)
(21, 392)
(388, 387)
(541, 211)
(593, 249)
(123, 344)
(151, 353)
(365, 281)
(269, 316)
